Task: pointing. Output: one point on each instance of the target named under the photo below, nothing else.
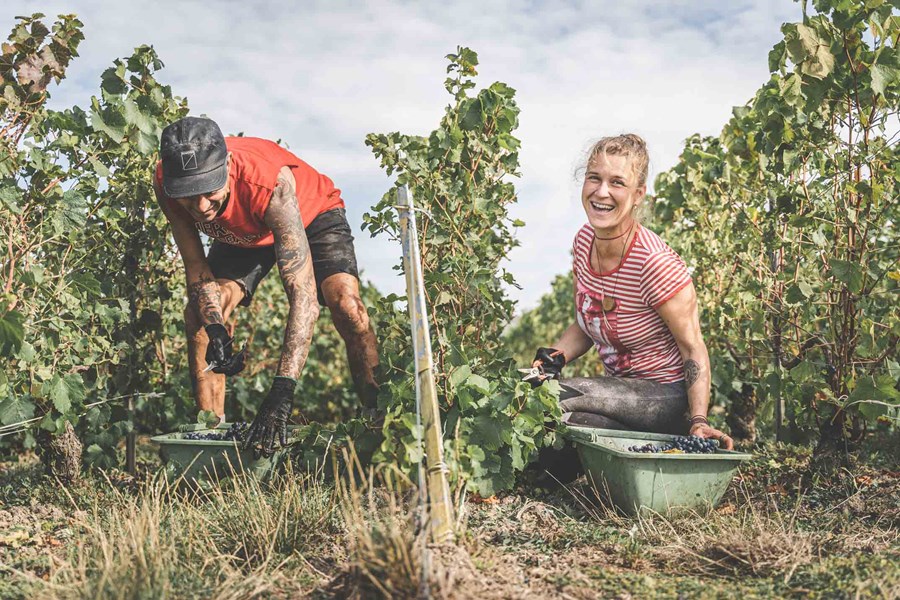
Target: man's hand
(550, 361)
(272, 418)
(219, 353)
(706, 431)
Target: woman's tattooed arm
(691, 372)
(295, 265)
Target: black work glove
(551, 363)
(218, 351)
(272, 418)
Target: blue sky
(321, 75)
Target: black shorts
(330, 244)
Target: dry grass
(385, 538)
(362, 537)
(255, 525)
(142, 547)
(756, 539)
(164, 542)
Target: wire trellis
(21, 426)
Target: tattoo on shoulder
(691, 372)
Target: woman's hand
(706, 431)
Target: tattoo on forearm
(691, 372)
(295, 267)
(207, 299)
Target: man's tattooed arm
(203, 292)
(204, 295)
(295, 265)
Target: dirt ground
(777, 533)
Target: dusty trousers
(627, 404)
(612, 403)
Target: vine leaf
(16, 410)
(12, 332)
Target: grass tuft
(384, 537)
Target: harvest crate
(654, 481)
(199, 460)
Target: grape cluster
(691, 444)
(235, 432)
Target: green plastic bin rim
(593, 436)
(175, 438)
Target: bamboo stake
(440, 508)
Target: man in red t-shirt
(262, 206)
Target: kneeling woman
(635, 303)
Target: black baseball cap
(193, 156)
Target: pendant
(608, 303)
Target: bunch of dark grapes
(649, 448)
(691, 444)
(196, 435)
(235, 432)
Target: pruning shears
(532, 374)
(214, 364)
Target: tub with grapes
(204, 460)
(652, 481)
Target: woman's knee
(594, 420)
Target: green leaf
(26, 352)
(776, 57)
(850, 274)
(794, 295)
(95, 417)
(443, 298)
(10, 196)
(87, 283)
(791, 90)
(460, 374)
(882, 76)
(479, 383)
(116, 132)
(486, 432)
(63, 391)
(12, 332)
(16, 410)
(809, 50)
(472, 117)
(873, 394)
(207, 418)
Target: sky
(321, 75)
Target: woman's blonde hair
(629, 145)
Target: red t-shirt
(255, 164)
(632, 339)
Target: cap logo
(189, 161)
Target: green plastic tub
(208, 460)
(657, 482)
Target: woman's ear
(641, 192)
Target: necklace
(608, 303)
(615, 237)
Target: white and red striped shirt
(632, 339)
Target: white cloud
(320, 75)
